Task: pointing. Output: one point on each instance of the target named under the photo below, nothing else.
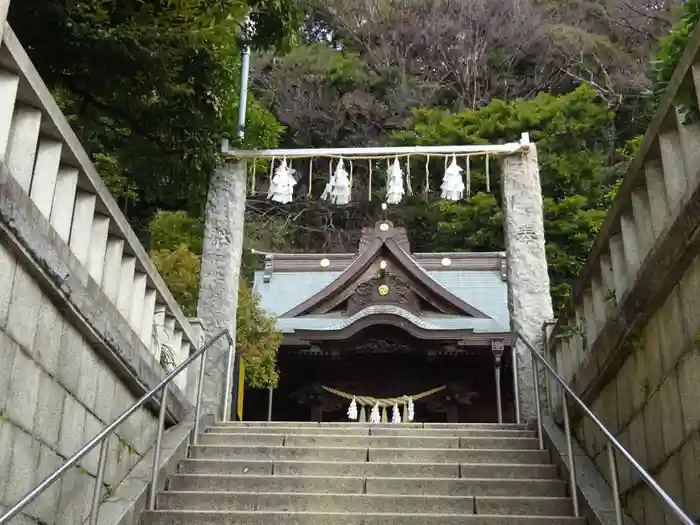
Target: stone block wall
(629, 341)
(84, 315)
(56, 393)
(652, 405)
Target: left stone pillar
(4, 8)
(529, 300)
(219, 276)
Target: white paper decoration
(452, 184)
(394, 183)
(352, 410)
(338, 186)
(395, 414)
(282, 184)
(340, 192)
(374, 416)
(411, 409)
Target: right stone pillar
(529, 300)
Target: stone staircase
(359, 474)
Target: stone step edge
(427, 431)
(282, 447)
(536, 520)
(224, 493)
(302, 424)
(348, 436)
(364, 478)
(379, 463)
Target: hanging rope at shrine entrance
(338, 188)
(381, 404)
(395, 163)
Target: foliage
(176, 243)
(179, 268)
(172, 229)
(671, 48)
(572, 133)
(151, 87)
(256, 339)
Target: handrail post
(572, 460)
(198, 404)
(228, 382)
(99, 480)
(614, 484)
(269, 403)
(516, 382)
(156, 450)
(540, 438)
(499, 402)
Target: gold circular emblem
(384, 227)
(383, 290)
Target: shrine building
(385, 323)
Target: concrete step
(528, 506)
(421, 455)
(351, 425)
(403, 431)
(303, 440)
(360, 454)
(299, 502)
(329, 468)
(308, 518)
(365, 469)
(360, 485)
(296, 502)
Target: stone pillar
(4, 7)
(220, 272)
(529, 300)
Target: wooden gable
(384, 273)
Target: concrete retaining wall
(84, 315)
(629, 342)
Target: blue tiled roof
(288, 289)
(484, 290)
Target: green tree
(574, 136)
(176, 243)
(151, 87)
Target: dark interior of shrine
(386, 361)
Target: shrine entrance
(385, 323)
(386, 362)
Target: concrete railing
(646, 233)
(45, 158)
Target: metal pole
(243, 99)
(269, 404)
(226, 416)
(572, 461)
(536, 380)
(516, 383)
(614, 484)
(198, 405)
(156, 450)
(499, 405)
(97, 494)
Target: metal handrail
(613, 443)
(101, 437)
